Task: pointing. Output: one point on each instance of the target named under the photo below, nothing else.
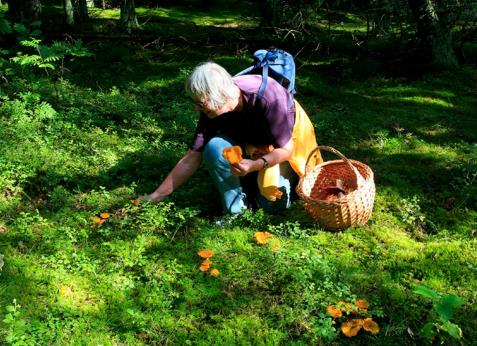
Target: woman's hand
(276, 156)
(246, 166)
(153, 197)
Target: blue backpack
(277, 64)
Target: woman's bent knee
(213, 149)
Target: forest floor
(82, 262)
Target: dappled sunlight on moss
(427, 101)
(223, 18)
(410, 90)
(340, 22)
(416, 96)
(439, 254)
(106, 14)
(344, 28)
(158, 83)
(76, 296)
(402, 248)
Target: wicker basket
(346, 210)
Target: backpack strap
(261, 90)
(263, 85)
(266, 59)
(247, 70)
(264, 67)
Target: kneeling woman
(273, 131)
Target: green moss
(115, 126)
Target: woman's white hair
(211, 83)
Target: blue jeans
(233, 195)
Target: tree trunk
(99, 3)
(83, 15)
(434, 35)
(270, 13)
(68, 11)
(128, 17)
(24, 10)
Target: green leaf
(426, 292)
(429, 330)
(5, 27)
(30, 43)
(50, 66)
(447, 305)
(52, 58)
(20, 28)
(453, 329)
(8, 319)
(453, 300)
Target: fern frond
(33, 42)
(20, 28)
(59, 46)
(31, 60)
(48, 66)
(5, 27)
(53, 58)
(79, 50)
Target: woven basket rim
(330, 162)
(340, 201)
(367, 181)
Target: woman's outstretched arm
(182, 171)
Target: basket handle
(359, 177)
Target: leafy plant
(164, 218)
(22, 32)
(464, 183)
(15, 333)
(48, 57)
(5, 25)
(411, 212)
(1, 262)
(290, 229)
(444, 306)
(354, 317)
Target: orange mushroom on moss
(351, 326)
(206, 264)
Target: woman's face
(211, 113)
(234, 104)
